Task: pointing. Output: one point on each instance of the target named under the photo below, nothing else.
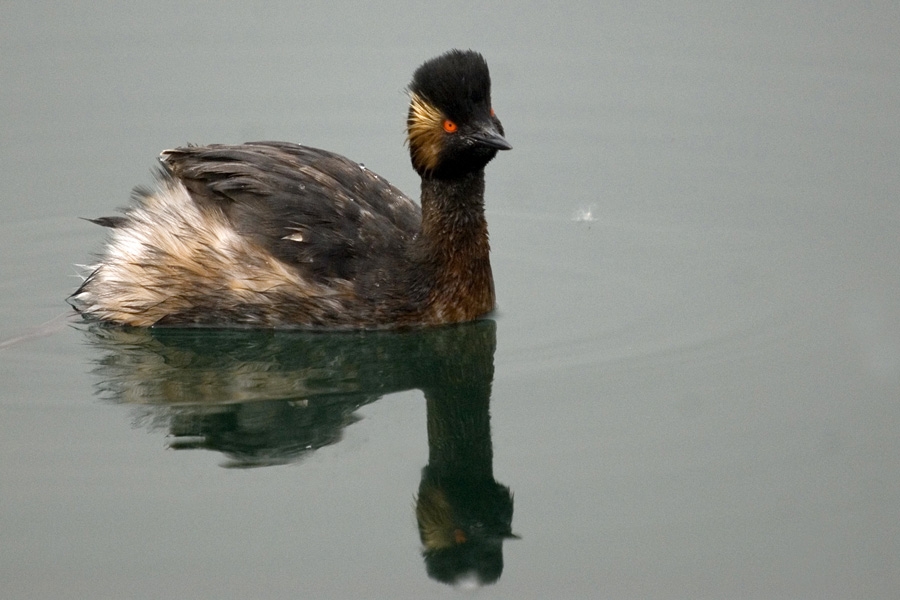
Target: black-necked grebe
(274, 234)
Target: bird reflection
(271, 397)
(463, 513)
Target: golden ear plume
(424, 133)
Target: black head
(452, 129)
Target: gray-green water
(693, 379)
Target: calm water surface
(691, 387)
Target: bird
(281, 235)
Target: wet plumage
(274, 234)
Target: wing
(310, 208)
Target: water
(692, 393)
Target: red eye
(449, 126)
(492, 112)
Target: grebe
(274, 234)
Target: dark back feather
(310, 208)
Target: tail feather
(112, 222)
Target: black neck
(454, 247)
(453, 210)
